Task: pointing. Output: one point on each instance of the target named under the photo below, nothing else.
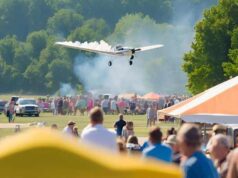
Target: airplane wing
(101, 47)
(149, 47)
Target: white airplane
(104, 48)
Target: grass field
(82, 121)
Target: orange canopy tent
(218, 104)
(151, 96)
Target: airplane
(104, 48)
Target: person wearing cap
(96, 135)
(172, 142)
(219, 129)
(69, 128)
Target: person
(81, 105)
(233, 164)
(132, 106)
(54, 127)
(128, 130)
(172, 142)
(196, 164)
(90, 104)
(121, 146)
(105, 105)
(169, 132)
(10, 112)
(157, 150)
(150, 115)
(75, 131)
(133, 145)
(96, 134)
(113, 106)
(52, 107)
(69, 128)
(219, 150)
(119, 125)
(216, 129)
(60, 106)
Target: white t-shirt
(100, 136)
(67, 130)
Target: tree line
(29, 60)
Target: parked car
(2, 105)
(27, 106)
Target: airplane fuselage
(123, 51)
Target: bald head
(219, 147)
(222, 140)
(190, 134)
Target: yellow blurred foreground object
(43, 153)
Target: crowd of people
(84, 103)
(184, 147)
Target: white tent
(218, 104)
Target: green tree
(91, 30)
(207, 63)
(231, 67)
(38, 41)
(64, 21)
(109, 10)
(39, 11)
(59, 71)
(22, 58)
(14, 18)
(7, 49)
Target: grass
(139, 122)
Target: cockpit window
(119, 47)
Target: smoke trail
(102, 45)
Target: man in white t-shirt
(96, 134)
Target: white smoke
(157, 70)
(101, 45)
(66, 90)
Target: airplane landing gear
(130, 62)
(110, 63)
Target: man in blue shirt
(196, 165)
(157, 150)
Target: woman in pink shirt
(90, 104)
